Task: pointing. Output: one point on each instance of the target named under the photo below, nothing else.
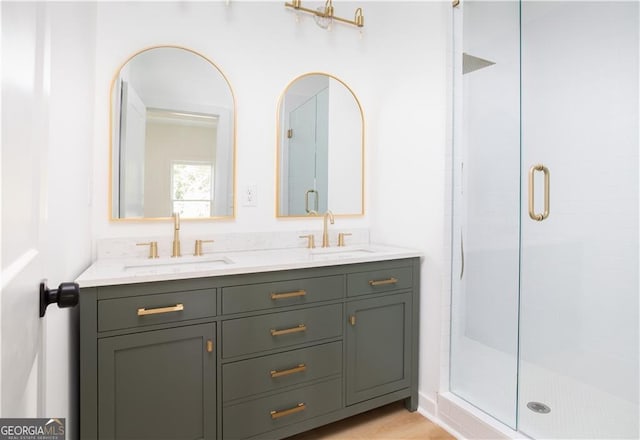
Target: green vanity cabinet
(249, 356)
(378, 346)
(158, 384)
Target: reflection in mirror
(320, 148)
(173, 142)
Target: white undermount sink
(178, 264)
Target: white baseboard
(428, 408)
(462, 420)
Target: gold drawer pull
(285, 295)
(286, 331)
(176, 308)
(287, 412)
(391, 280)
(299, 369)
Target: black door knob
(66, 295)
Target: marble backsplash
(224, 242)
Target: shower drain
(538, 407)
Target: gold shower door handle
(315, 200)
(545, 172)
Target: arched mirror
(172, 137)
(320, 148)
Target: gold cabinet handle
(285, 295)
(177, 308)
(287, 331)
(298, 369)
(287, 412)
(391, 280)
(209, 346)
(352, 319)
(545, 172)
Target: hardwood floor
(391, 422)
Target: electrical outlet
(250, 196)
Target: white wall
(408, 144)
(397, 69)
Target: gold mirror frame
(111, 141)
(279, 132)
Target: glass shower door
(579, 340)
(485, 263)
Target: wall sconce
(324, 16)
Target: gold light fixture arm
(327, 12)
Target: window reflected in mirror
(192, 188)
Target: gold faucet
(176, 235)
(325, 232)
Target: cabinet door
(158, 384)
(378, 346)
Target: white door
(24, 148)
(133, 131)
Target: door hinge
(290, 133)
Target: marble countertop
(114, 271)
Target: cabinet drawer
(162, 308)
(269, 373)
(280, 294)
(363, 283)
(273, 412)
(266, 332)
